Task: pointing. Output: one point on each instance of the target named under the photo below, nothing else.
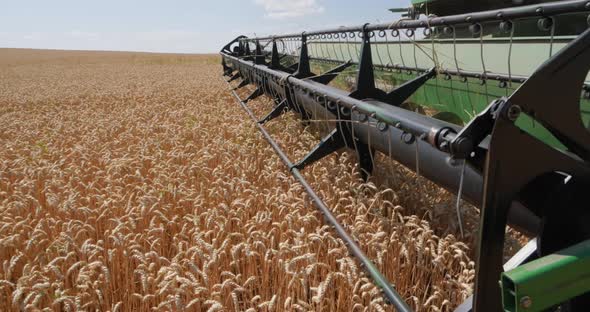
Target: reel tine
(389, 153)
(391, 62)
(463, 78)
(377, 48)
(415, 46)
(458, 204)
(333, 44)
(483, 64)
(417, 158)
(399, 40)
(510, 56)
(370, 141)
(348, 47)
(553, 22)
(340, 122)
(328, 126)
(324, 50)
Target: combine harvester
(490, 105)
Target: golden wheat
(133, 182)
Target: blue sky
(185, 26)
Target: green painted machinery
(491, 105)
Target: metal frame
(511, 175)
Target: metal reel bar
(388, 291)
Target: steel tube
(390, 294)
(409, 121)
(431, 163)
(539, 10)
(435, 164)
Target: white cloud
(279, 9)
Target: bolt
(513, 112)
(526, 302)
(345, 111)
(408, 138)
(506, 26)
(545, 23)
(381, 126)
(475, 29)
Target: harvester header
(481, 103)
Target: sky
(178, 26)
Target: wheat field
(135, 182)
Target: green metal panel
(548, 281)
(464, 99)
(449, 7)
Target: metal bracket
(538, 285)
(509, 167)
(328, 145)
(339, 138)
(365, 79)
(276, 112)
(275, 61)
(303, 68)
(474, 132)
(247, 53)
(525, 254)
(256, 93)
(406, 89)
(242, 84)
(328, 76)
(235, 76)
(259, 56)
